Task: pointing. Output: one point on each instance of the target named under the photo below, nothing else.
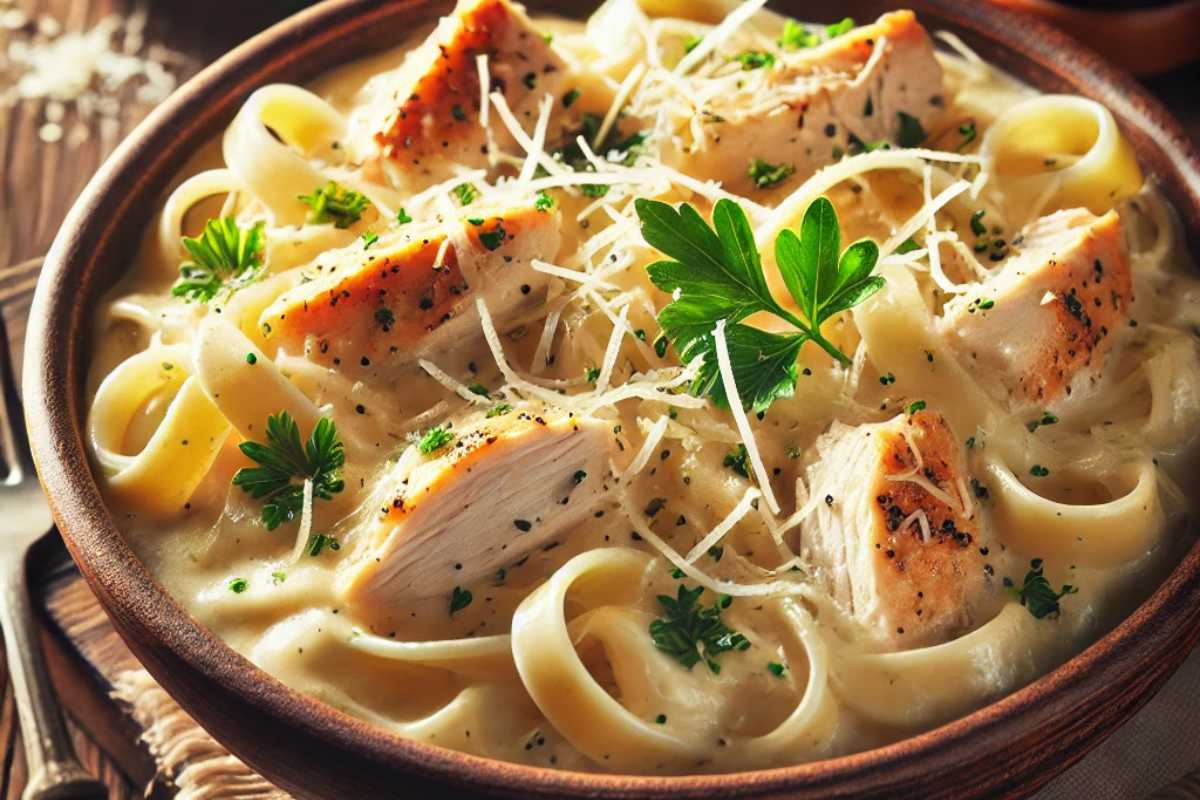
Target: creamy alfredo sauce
(550, 658)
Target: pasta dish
(687, 389)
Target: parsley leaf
(766, 175)
(1036, 594)
(466, 193)
(796, 37)
(691, 632)
(738, 460)
(434, 439)
(755, 59)
(459, 599)
(283, 459)
(225, 257)
(332, 203)
(718, 275)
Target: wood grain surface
(38, 183)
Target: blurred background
(77, 75)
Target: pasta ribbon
(931, 685)
(276, 172)
(243, 383)
(1061, 151)
(1098, 534)
(160, 478)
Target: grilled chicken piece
(503, 487)
(895, 537)
(381, 306)
(874, 83)
(1039, 332)
(426, 120)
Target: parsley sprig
(225, 257)
(332, 203)
(284, 459)
(691, 632)
(718, 275)
(1037, 594)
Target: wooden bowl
(308, 748)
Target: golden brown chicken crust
(923, 584)
(397, 295)
(1095, 298)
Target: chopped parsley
(466, 193)
(738, 460)
(479, 389)
(907, 246)
(968, 132)
(1038, 471)
(911, 134)
(691, 632)
(434, 439)
(492, 239)
(845, 25)
(278, 577)
(579, 477)
(796, 37)
(776, 669)
(591, 374)
(660, 346)
(543, 201)
(385, 318)
(1045, 419)
(251, 359)
(691, 42)
(402, 217)
(755, 59)
(717, 275)
(225, 257)
(766, 175)
(369, 239)
(915, 406)
(459, 599)
(319, 541)
(332, 203)
(284, 459)
(661, 719)
(458, 112)
(238, 585)
(977, 226)
(570, 97)
(498, 410)
(1037, 594)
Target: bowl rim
(141, 607)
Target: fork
(54, 769)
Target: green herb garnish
(776, 669)
(332, 203)
(1036, 594)
(284, 459)
(238, 585)
(691, 632)
(466, 193)
(434, 439)
(543, 202)
(719, 276)
(459, 599)
(838, 28)
(738, 460)
(570, 97)
(495, 237)
(1038, 471)
(968, 132)
(225, 257)
(755, 59)
(385, 318)
(766, 175)
(319, 541)
(498, 410)
(796, 37)
(402, 217)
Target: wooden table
(38, 183)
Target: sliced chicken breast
(423, 123)
(876, 83)
(1039, 332)
(895, 535)
(378, 307)
(503, 487)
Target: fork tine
(14, 446)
